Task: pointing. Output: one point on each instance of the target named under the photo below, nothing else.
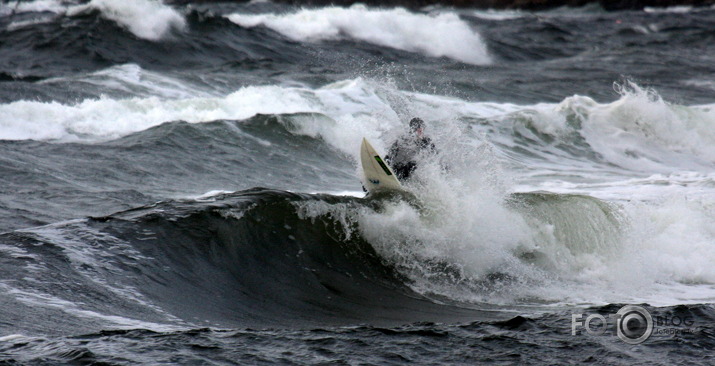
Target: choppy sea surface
(180, 184)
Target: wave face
(246, 259)
(179, 183)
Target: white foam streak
(492, 14)
(52, 6)
(682, 9)
(36, 299)
(40, 7)
(441, 35)
(133, 80)
(643, 189)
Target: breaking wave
(446, 36)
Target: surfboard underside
(378, 175)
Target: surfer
(403, 153)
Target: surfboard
(378, 175)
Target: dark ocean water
(180, 184)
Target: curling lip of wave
(442, 35)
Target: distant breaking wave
(442, 35)
(147, 19)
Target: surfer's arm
(428, 145)
(392, 153)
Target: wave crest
(146, 19)
(442, 35)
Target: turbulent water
(181, 185)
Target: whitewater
(185, 179)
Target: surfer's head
(417, 125)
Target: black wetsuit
(403, 153)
